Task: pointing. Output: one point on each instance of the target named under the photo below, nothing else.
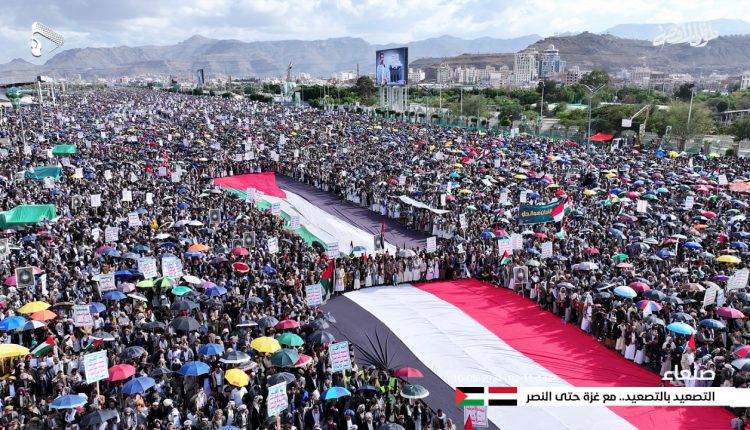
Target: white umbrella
(190, 279)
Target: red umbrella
(304, 360)
(639, 287)
(728, 312)
(239, 251)
(591, 251)
(742, 351)
(287, 325)
(103, 248)
(709, 214)
(541, 236)
(120, 372)
(240, 267)
(407, 372)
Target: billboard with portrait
(391, 67)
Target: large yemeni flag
(558, 212)
(44, 348)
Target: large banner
(392, 66)
(536, 214)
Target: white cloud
(141, 22)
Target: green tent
(40, 172)
(63, 150)
(26, 214)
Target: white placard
(134, 220)
(276, 401)
(108, 175)
(251, 194)
(689, 202)
(314, 295)
(431, 244)
(96, 366)
(462, 221)
(127, 195)
(162, 171)
(147, 266)
(642, 206)
(149, 198)
(175, 177)
(505, 245)
(294, 222)
(522, 198)
(503, 197)
(82, 316)
(111, 234)
(547, 250)
(710, 297)
(478, 416)
(333, 250)
(738, 280)
(276, 208)
(96, 200)
(171, 267)
(516, 241)
(339, 355)
(49, 183)
(273, 245)
(723, 179)
(106, 282)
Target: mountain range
(237, 58)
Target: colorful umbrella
(121, 372)
(237, 377)
(290, 339)
(265, 344)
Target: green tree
(684, 92)
(741, 128)
(364, 87)
(595, 78)
(700, 120)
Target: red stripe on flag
(502, 390)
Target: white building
(416, 75)
(745, 82)
(525, 68)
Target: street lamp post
(690, 109)
(541, 110)
(592, 91)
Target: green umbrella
(471, 208)
(145, 284)
(284, 358)
(180, 290)
(414, 392)
(649, 197)
(620, 257)
(290, 339)
(164, 282)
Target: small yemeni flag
(326, 279)
(469, 425)
(558, 212)
(44, 348)
(505, 260)
(92, 346)
(691, 342)
(486, 396)
(382, 228)
(351, 247)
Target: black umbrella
(255, 300)
(654, 295)
(98, 417)
(321, 337)
(391, 426)
(184, 305)
(319, 324)
(266, 322)
(681, 317)
(234, 357)
(185, 324)
(280, 377)
(132, 352)
(153, 325)
(161, 371)
(673, 300)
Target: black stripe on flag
(471, 390)
(503, 402)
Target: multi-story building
(525, 68)
(416, 75)
(501, 78)
(745, 81)
(550, 62)
(640, 76)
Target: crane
(628, 122)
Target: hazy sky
(99, 23)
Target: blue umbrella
(692, 245)
(141, 211)
(268, 269)
(681, 328)
(183, 205)
(228, 428)
(182, 190)
(533, 196)
(166, 244)
(625, 291)
(12, 323)
(334, 393)
(741, 245)
(138, 385)
(142, 248)
(359, 248)
(194, 368)
(114, 295)
(69, 401)
(211, 349)
(55, 192)
(215, 291)
(97, 307)
(193, 254)
(111, 252)
(665, 253)
(89, 176)
(29, 238)
(712, 323)
(487, 234)
(615, 232)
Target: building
(344, 76)
(501, 78)
(525, 68)
(550, 62)
(745, 81)
(443, 74)
(640, 76)
(416, 75)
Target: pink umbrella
(103, 248)
(10, 280)
(728, 312)
(709, 214)
(591, 251)
(287, 325)
(240, 267)
(239, 251)
(304, 360)
(639, 287)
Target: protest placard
(339, 355)
(277, 401)
(314, 295)
(147, 266)
(273, 245)
(82, 316)
(95, 366)
(431, 244)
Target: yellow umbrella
(8, 350)
(731, 259)
(30, 308)
(589, 192)
(431, 147)
(553, 186)
(237, 377)
(519, 176)
(715, 154)
(674, 154)
(611, 175)
(265, 344)
(458, 165)
(525, 164)
(465, 191)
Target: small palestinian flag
(92, 346)
(505, 260)
(44, 348)
(486, 396)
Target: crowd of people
(164, 149)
